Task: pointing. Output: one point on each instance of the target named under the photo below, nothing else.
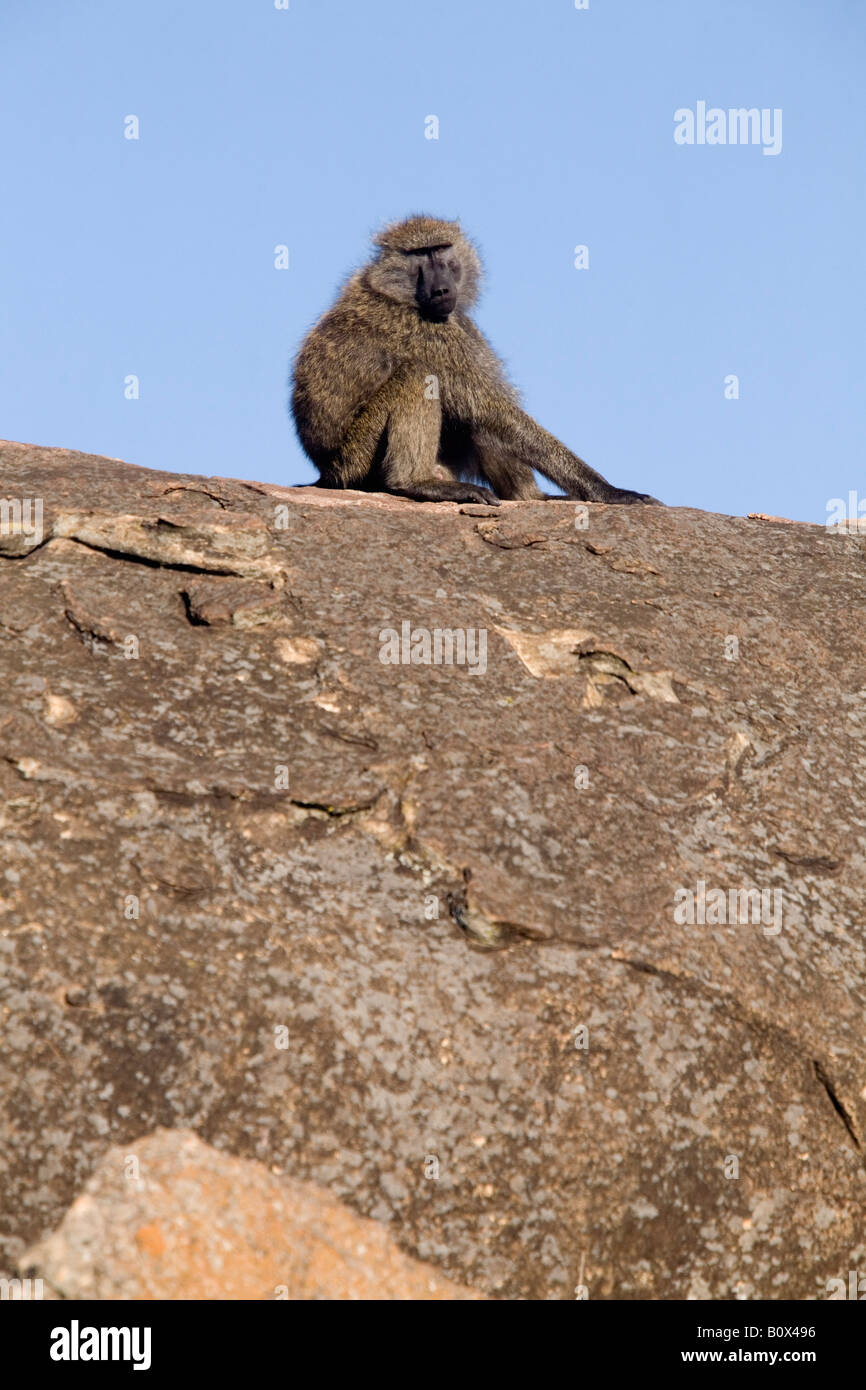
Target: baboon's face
(436, 272)
(427, 265)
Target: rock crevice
(545, 953)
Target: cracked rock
(552, 966)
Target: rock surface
(175, 1219)
(410, 932)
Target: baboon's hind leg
(507, 474)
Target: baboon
(397, 390)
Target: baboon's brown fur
(396, 389)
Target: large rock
(553, 1082)
(177, 1220)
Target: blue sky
(306, 127)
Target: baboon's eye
(424, 250)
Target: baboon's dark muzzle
(440, 299)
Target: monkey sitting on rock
(397, 390)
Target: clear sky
(306, 127)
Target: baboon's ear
(473, 273)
